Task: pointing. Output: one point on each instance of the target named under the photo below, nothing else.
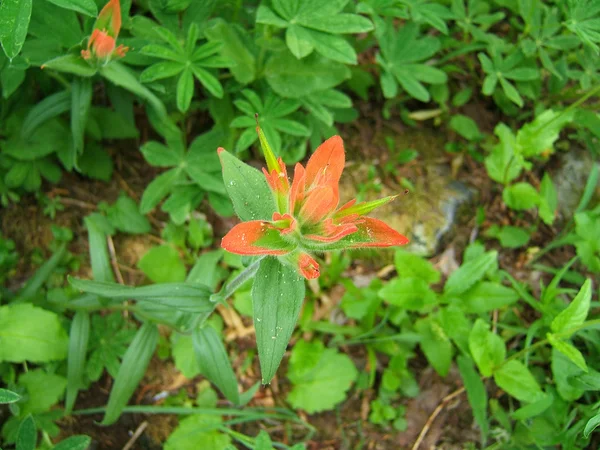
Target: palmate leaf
(500, 70)
(271, 116)
(402, 59)
(313, 25)
(424, 11)
(187, 61)
(584, 21)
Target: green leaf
(30, 333)
(511, 92)
(465, 126)
(51, 106)
(470, 273)
(11, 77)
(214, 363)
(81, 90)
(98, 228)
(163, 264)
(548, 200)
(248, 189)
(234, 49)
(159, 155)
(132, 370)
(517, 381)
(520, 196)
(71, 63)
(44, 390)
(576, 313)
(540, 135)
(7, 396)
(591, 425)
(87, 7)
(411, 265)
(562, 371)
(161, 70)
(487, 296)
(412, 294)
(14, 22)
(333, 47)
(78, 345)
(27, 434)
(182, 350)
(341, 23)
(569, 350)
(74, 443)
(125, 216)
(209, 81)
(504, 164)
(185, 90)
(487, 348)
(476, 393)
(291, 77)
(158, 189)
(263, 441)
(198, 431)
(509, 236)
(191, 297)
(277, 296)
(120, 75)
(299, 41)
(534, 409)
(320, 377)
(435, 344)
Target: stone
(428, 214)
(570, 179)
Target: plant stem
(228, 290)
(566, 333)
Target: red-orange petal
(255, 237)
(375, 233)
(298, 187)
(318, 204)
(102, 44)
(111, 15)
(308, 267)
(331, 232)
(326, 164)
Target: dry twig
(136, 435)
(447, 399)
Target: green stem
(572, 106)
(566, 333)
(228, 290)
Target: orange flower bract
(308, 218)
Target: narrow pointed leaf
(576, 312)
(277, 296)
(27, 434)
(81, 100)
(7, 396)
(214, 362)
(134, 364)
(74, 443)
(78, 343)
